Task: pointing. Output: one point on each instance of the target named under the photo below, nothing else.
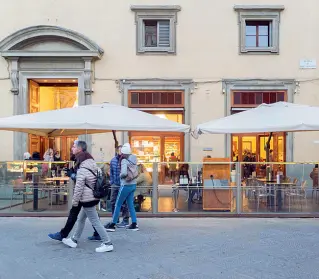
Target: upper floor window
(153, 99)
(259, 28)
(258, 34)
(255, 98)
(156, 28)
(156, 33)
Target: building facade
(186, 61)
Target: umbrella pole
(116, 143)
(267, 149)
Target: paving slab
(176, 248)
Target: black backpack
(102, 184)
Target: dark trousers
(124, 209)
(73, 216)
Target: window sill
(156, 51)
(257, 51)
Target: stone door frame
(25, 48)
(21, 100)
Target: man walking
(83, 195)
(80, 153)
(115, 170)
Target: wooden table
(266, 180)
(66, 178)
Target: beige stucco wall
(207, 52)
(105, 91)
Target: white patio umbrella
(277, 117)
(89, 119)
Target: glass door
(262, 139)
(171, 155)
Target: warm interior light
(45, 80)
(161, 116)
(76, 100)
(60, 80)
(74, 80)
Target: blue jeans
(126, 193)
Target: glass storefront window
(146, 148)
(159, 147)
(235, 148)
(262, 142)
(254, 145)
(176, 117)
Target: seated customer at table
(144, 181)
(314, 177)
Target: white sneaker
(69, 242)
(104, 248)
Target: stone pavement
(166, 249)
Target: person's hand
(73, 176)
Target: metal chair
(299, 192)
(58, 191)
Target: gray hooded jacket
(124, 163)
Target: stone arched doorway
(48, 52)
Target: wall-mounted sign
(207, 149)
(308, 64)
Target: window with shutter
(157, 33)
(163, 33)
(156, 28)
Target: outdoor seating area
(290, 193)
(33, 186)
(24, 189)
(245, 181)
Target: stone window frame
(259, 13)
(231, 85)
(185, 85)
(155, 12)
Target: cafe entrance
(160, 147)
(251, 147)
(51, 94)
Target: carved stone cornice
(14, 76)
(87, 82)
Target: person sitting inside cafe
(144, 184)
(314, 175)
(144, 181)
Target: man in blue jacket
(115, 170)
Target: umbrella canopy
(277, 117)
(89, 119)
